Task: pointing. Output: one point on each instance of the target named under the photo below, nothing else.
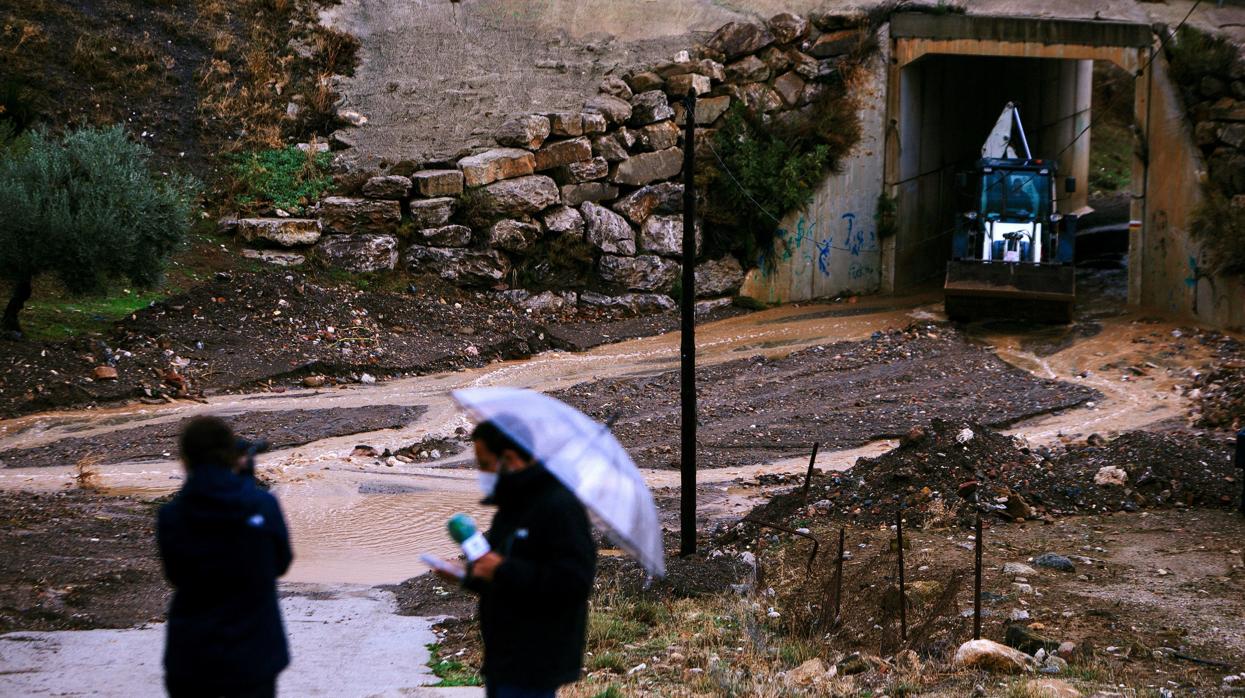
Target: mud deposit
(844, 394)
(282, 429)
(74, 560)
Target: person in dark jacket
(535, 583)
(224, 543)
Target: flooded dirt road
(357, 519)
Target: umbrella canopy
(585, 457)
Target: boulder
(642, 273)
(567, 124)
(359, 253)
(547, 302)
(286, 232)
(790, 87)
(658, 136)
(459, 266)
(759, 97)
(104, 373)
(346, 215)
(387, 187)
(837, 43)
(787, 28)
(637, 206)
(527, 131)
(634, 302)
(276, 258)
(775, 59)
(1048, 688)
(680, 85)
(649, 107)
(579, 172)
(563, 153)
(1054, 562)
(644, 81)
(615, 87)
(438, 182)
(707, 110)
(497, 164)
(576, 194)
(719, 277)
(518, 197)
(513, 236)
(807, 674)
(663, 235)
(608, 147)
(564, 220)
(649, 167)
(749, 69)
(593, 123)
(616, 111)
(607, 231)
(446, 236)
(738, 38)
(1018, 569)
(432, 213)
(1027, 640)
(991, 656)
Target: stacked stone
(1216, 106)
(603, 180)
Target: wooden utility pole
(687, 346)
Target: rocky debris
(1054, 561)
(637, 206)
(549, 301)
(580, 172)
(104, 373)
(446, 236)
(458, 266)
(276, 258)
(524, 196)
(749, 69)
(1218, 392)
(513, 236)
(989, 655)
(576, 194)
(432, 213)
(649, 107)
(718, 277)
(788, 28)
(528, 131)
(637, 303)
(616, 111)
(607, 231)
(495, 165)
(1049, 688)
(738, 38)
(366, 252)
(566, 124)
(640, 273)
(645, 168)
(563, 153)
(436, 183)
(663, 235)
(564, 220)
(345, 215)
(615, 87)
(286, 232)
(387, 187)
(1111, 475)
(759, 97)
(1018, 569)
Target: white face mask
(488, 482)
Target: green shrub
(87, 208)
(1194, 54)
(286, 178)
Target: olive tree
(87, 209)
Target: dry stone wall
(583, 203)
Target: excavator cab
(1012, 253)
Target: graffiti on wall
(807, 249)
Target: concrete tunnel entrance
(950, 76)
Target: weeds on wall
(284, 178)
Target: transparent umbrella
(585, 457)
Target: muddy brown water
(359, 520)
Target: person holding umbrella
(545, 466)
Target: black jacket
(534, 614)
(224, 543)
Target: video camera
(247, 449)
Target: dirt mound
(945, 471)
(1219, 393)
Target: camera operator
(224, 543)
